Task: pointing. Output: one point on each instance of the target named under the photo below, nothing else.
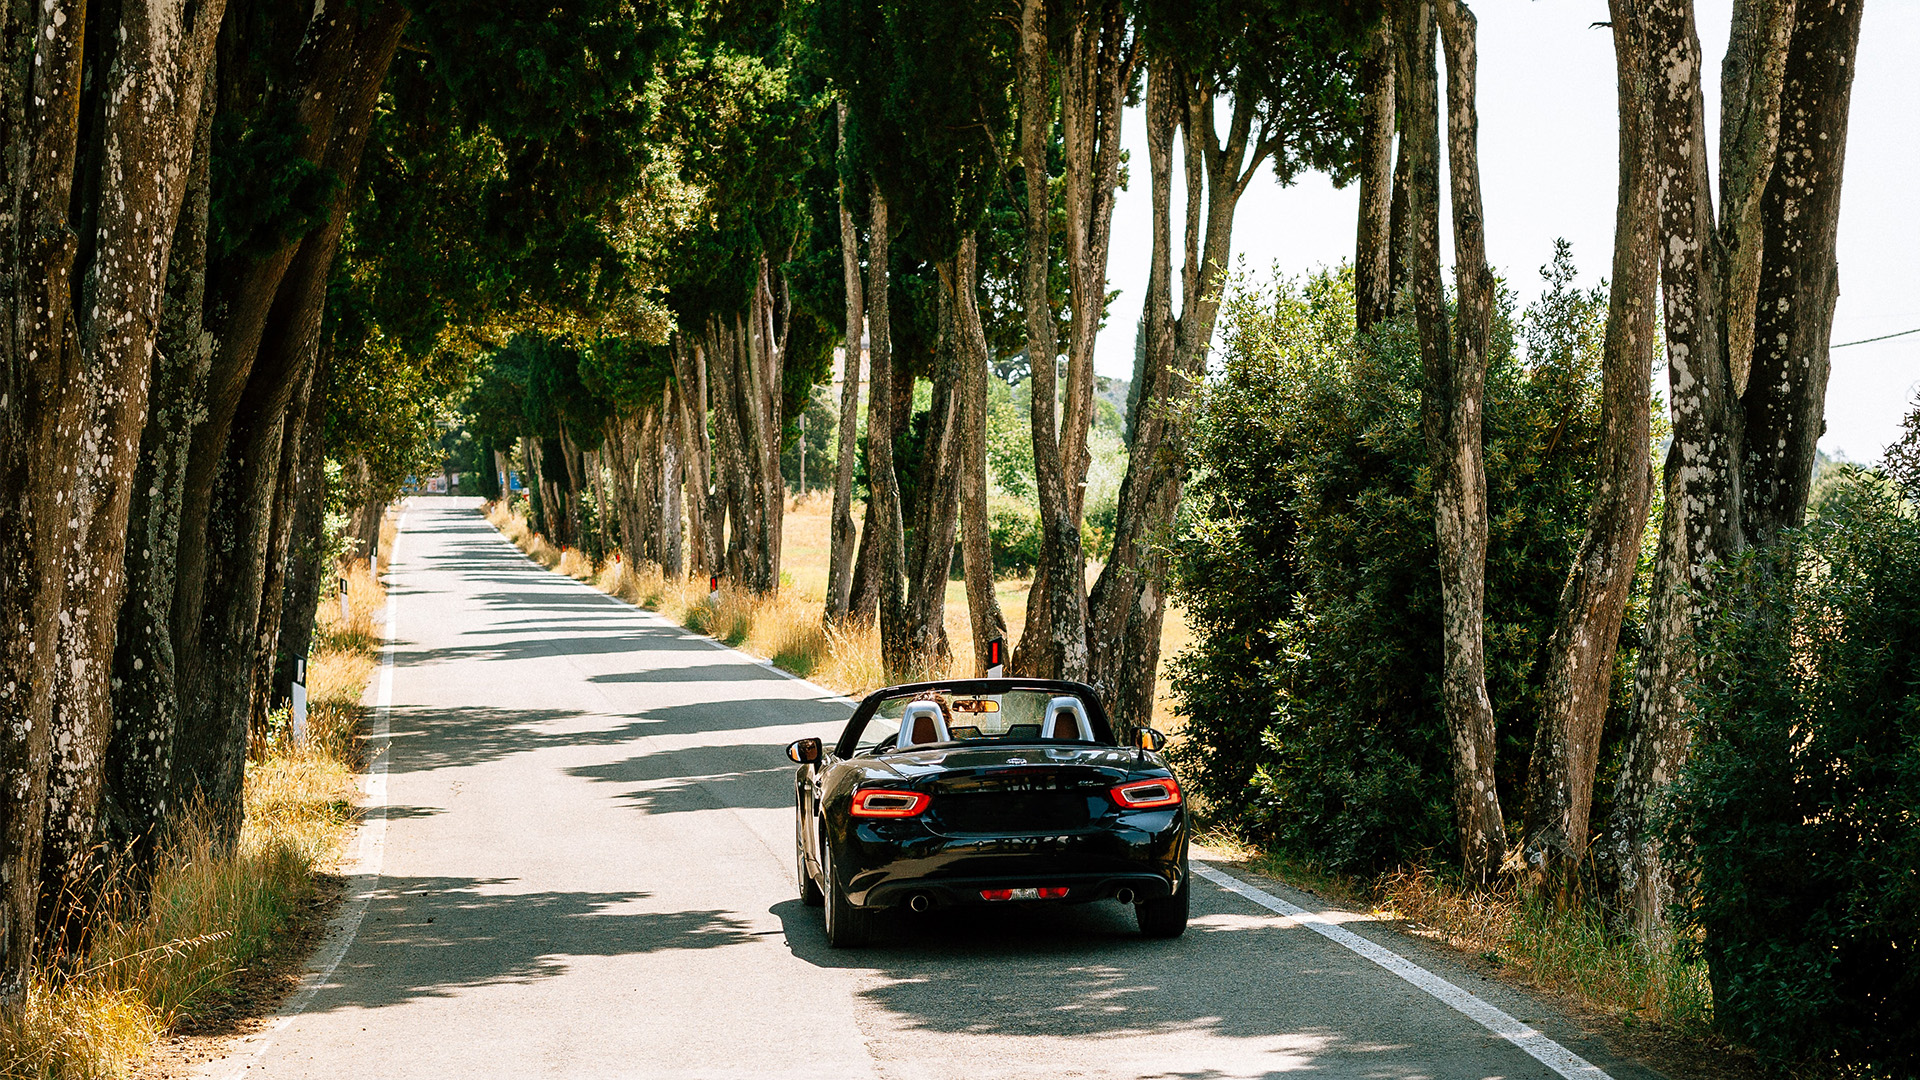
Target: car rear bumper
(1082, 888)
(890, 864)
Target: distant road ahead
(587, 872)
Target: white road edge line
(1541, 1048)
(370, 848)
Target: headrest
(922, 722)
(1067, 704)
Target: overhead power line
(1882, 337)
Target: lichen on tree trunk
(1579, 656)
(1453, 356)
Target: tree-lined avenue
(588, 872)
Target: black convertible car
(980, 791)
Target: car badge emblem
(1016, 761)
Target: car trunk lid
(1023, 789)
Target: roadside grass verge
(1563, 946)
(213, 913)
(1559, 944)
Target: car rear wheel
(848, 927)
(1167, 916)
(810, 893)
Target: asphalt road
(587, 872)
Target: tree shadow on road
(428, 937)
(1083, 971)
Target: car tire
(1167, 916)
(810, 893)
(848, 927)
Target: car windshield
(933, 716)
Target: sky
(1549, 169)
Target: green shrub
(1311, 693)
(1798, 815)
(1013, 535)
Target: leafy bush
(1013, 535)
(1311, 693)
(1797, 814)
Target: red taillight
(1148, 794)
(1051, 892)
(880, 803)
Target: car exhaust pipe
(1124, 895)
(919, 902)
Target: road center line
(370, 848)
(1541, 1048)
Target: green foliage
(1010, 439)
(1014, 538)
(1296, 61)
(822, 436)
(1795, 818)
(1308, 565)
(266, 193)
(560, 90)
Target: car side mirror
(1148, 739)
(804, 752)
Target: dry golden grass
(574, 564)
(1562, 946)
(213, 913)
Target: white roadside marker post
(346, 613)
(996, 659)
(713, 590)
(298, 724)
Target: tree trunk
(1799, 280)
(976, 554)
(936, 505)
(673, 558)
(1744, 423)
(1372, 259)
(1657, 738)
(306, 555)
(595, 464)
(287, 495)
(616, 438)
(1128, 608)
(730, 455)
(531, 452)
(217, 693)
(1586, 631)
(863, 605)
(1451, 409)
(145, 702)
(272, 318)
(884, 521)
(840, 556)
(1144, 491)
(576, 492)
(1095, 80)
(1054, 641)
(40, 78)
(763, 423)
(690, 427)
(363, 525)
(98, 113)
